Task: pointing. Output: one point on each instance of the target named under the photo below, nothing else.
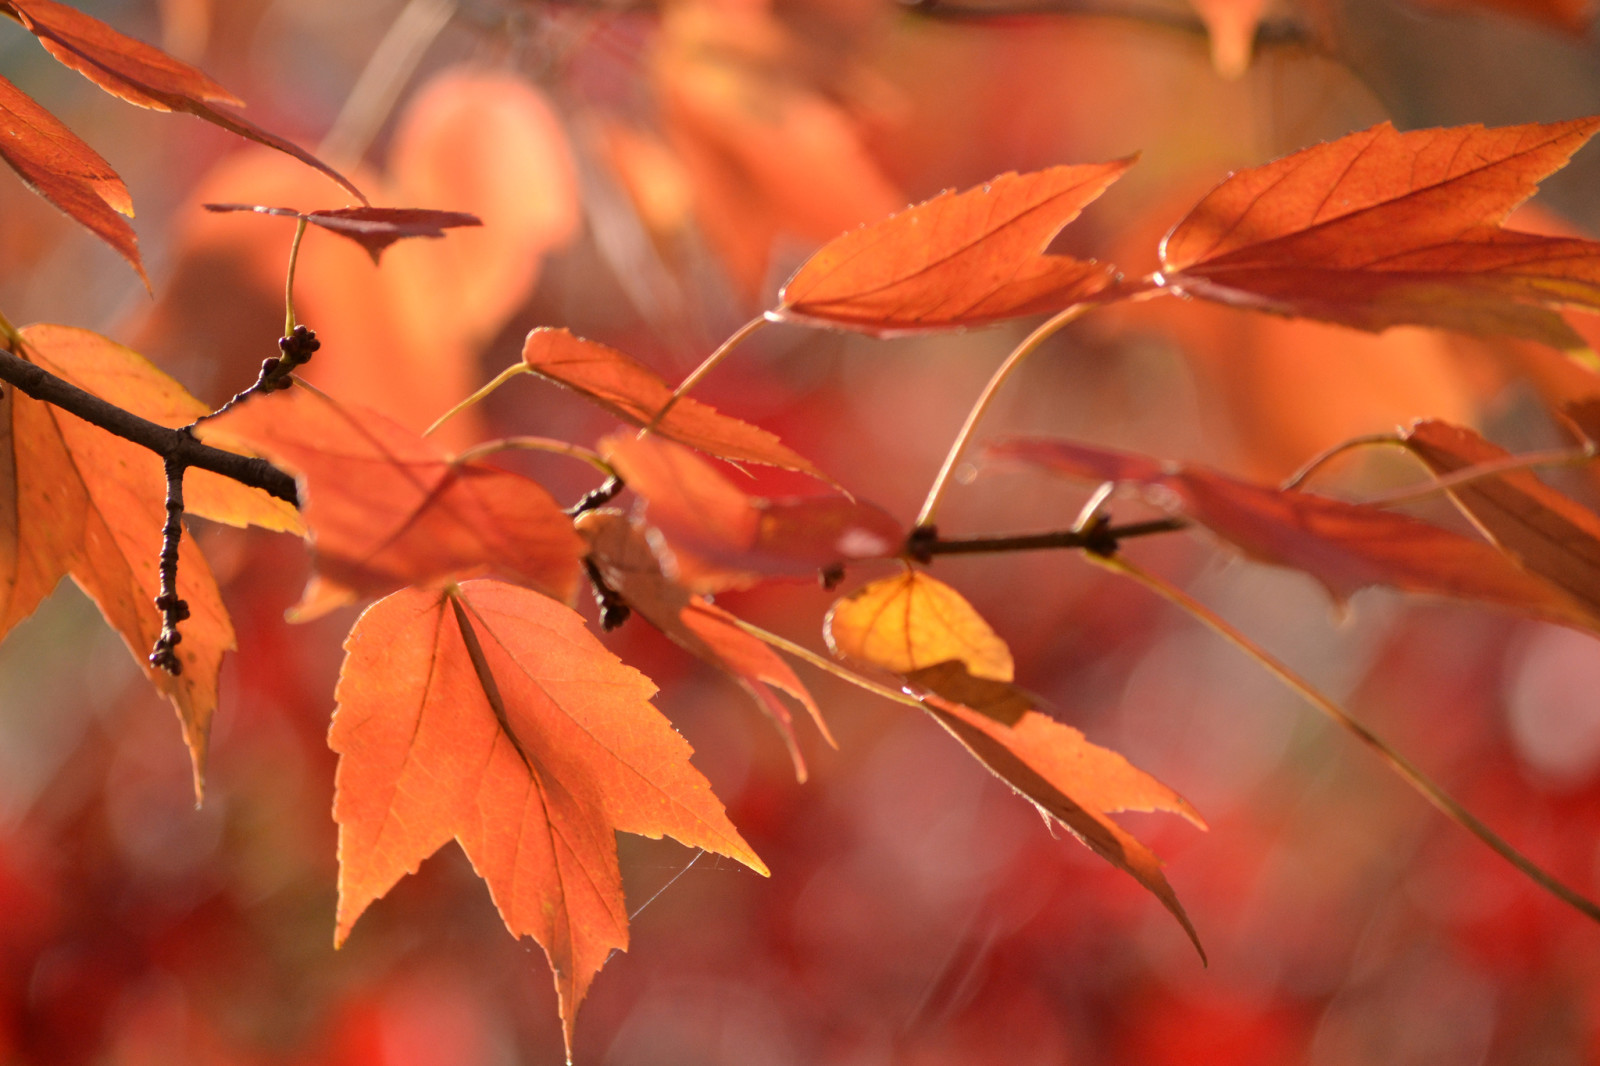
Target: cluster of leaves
(476, 704)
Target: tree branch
(1099, 538)
(173, 445)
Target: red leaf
(387, 507)
(1345, 546)
(634, 393)
(143, 75)
(491, 715)
(1548, 533)
(958, 260)
(58, 166)
(620, 551)
(1381, 229)
(721, 538)
(374, 228)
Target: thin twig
(740, 335)
(175, 444)
(1101, 539)
(1402, 766)
(1029, 345)
(164, 656)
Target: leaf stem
(288, 283)
(501, 378)
(1576, 456)
(740, 335)
(1322, 458)
(822, 662)
(1029, 345)
(1402, 766)
(537, 444)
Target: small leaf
(491, 715)
(1549, 534)
(374, 228)
(634, 393)
(957, 260)
(912, 621)
(58, 166)
(620, 551)
(1345, 546)
(1076, 783)
(387, 507)
(721, 538)
(1381, 229)
(145, 76)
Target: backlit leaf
(1345, 546)
(374, 228)
(75, 499)
(912, 621)
(1380, 229)
(721, 538)
(1077, 784)
(491, 715)
(387, 507)
(58, 166)
(958, 260)
(1550, 534)
(619, 550)
(143, 75)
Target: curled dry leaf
(625, 560)
(720, 538)
(635, 393)
(491, 715)
(58, 166)
(1381, 229)
(374, 228)
(145, 76)
(957, 260)
(1345, 546)
(1548, 533)
(387, 507)
(912, 621)
(77, 500)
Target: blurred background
(648, 174)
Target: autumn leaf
(491, 715)
(625, 560)
(957, 260)
(922, 629)
(145, 76)
(912, 621)
(58, 166)
(1345, 546)
(387, 507)
(1381, 229)
(1076, 783)
(1548, 533)
(374, 228)
(635, 393)
(721, 538)
(75, 499)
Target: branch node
(599, 497)
(920, 542)
(613, 609)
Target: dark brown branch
(164, 655)
(1101, 539)
(173, 445)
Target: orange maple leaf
(78, 500)
(491, 715)
(145, 76)
(635, 393)
(58, 166)
(957, 260)
(1380, 229)
(387, 507)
